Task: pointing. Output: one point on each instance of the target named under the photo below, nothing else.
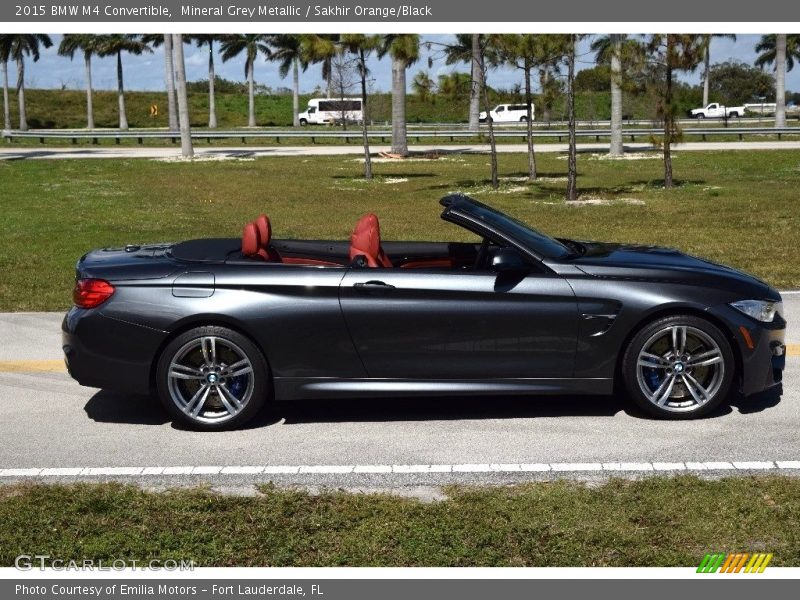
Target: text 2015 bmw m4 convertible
(218, 327)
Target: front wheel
(679, 367)
(700, 116)
(212, 378)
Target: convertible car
(219, 327)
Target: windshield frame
(490, 222)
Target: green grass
(736, 207)
(652, 522)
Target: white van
(330, 110)
(508, 113)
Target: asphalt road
(55, 430)
(11, 152)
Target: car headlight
(760, 310)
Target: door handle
(373, 285)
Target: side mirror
(507, 260)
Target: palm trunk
(706, 71)
(187, 151)
(399, 134)
(528, 103)
(326, 68)
(89, 106)
(251, 93)
(212, 97)
(544, 80)
(23, 121)
(169, 78)
(780, 80)
(367, 159)
(296, 92)
(6, 107)
(490, 123)
(123, 117)
(616, 148)
(668, 117)
(572, 162)
(477, 84)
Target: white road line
(611, 467)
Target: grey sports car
(219, 327)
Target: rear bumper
(107, 353)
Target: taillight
(89, 293)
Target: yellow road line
(57, 366)
(32, 366)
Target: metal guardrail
(383, 135)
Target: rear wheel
(212, 378)
(679, 367)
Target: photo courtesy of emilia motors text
(399, 299)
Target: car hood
(602, 259)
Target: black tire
(303, 122)
(733, 115)
(700, 116)
(711, 383)
(523, 119)
(215, 414)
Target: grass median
(651, 522)
(735, 207)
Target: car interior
(365, 249)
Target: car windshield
(540, 243)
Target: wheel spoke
(238, 368)
(177, 371)
(696, 389)
(678, 339)
(209, 347)
(195, 405)
(662, 394)
(705, 359)
(652, 361)
(231, 403)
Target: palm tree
(782, 50)
(321, 49)
(404, 51)
(187, 151)
(706, 50)
(572, 157)
(18, 47)
(608, 50)
(208, 40)
(669, 53)
(115, 45)
(156, 40)
(467, 48)
(88, 44)
(5, 54)
(362, 46)
(251, 45)
(423, 85)
(288, 49)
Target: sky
(147, 72)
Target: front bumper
(108, 353)
(761, 349)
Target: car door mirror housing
(507, 260)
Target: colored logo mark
(740, 562)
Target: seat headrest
(366, 236)
(250, 245)
(264, 230)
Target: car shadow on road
(113, 407)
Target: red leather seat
(366, 241)
(255, 240)
(264, 228)
(250, 242)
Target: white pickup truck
(717, 111)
